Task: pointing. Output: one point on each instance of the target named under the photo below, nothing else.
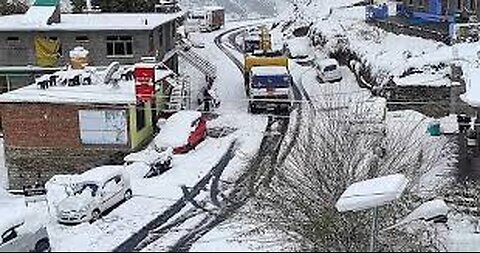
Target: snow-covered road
(153, 196)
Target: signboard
(144, 82)
(103, 127)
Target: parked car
(328, 70)
(19, 234)
(183, 131)
(98, 190)
(155, 161)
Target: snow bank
(472, 96)
(371, 193)
(428, 210)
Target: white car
(19, 233)
(328, 70)
(99, 190)
(300, 51)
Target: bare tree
(338, 146)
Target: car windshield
(330, 68)
(271, 81)
(86, 188)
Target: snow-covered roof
(269, 71)
(175, 132)
(101, 174)
(371, 193)
(213, 8)
(97, 93)
(86, 22)
(39, 14)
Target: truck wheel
(43, 246)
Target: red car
(182, 131)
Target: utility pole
(379, 153)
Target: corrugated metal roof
(46, 2)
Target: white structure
(372, 193)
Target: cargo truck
(268, 82)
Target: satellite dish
(111, 69)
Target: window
(98, 127)
(140, 116)
(81, 39)
(119, 46)
(13, 39)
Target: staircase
(194, 59)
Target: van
(328, 70)
(97, 191)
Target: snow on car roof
(370, 193)
(269, 71)
(327, 62)
(176, 130)
(98, 93)
(101, 174)
(13, 212)
(34, 21)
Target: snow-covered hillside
(235, 8)
(243, 8)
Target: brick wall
(26, 166)
(41, 125)
(42, 140)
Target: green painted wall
(137, 138)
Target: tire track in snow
(252, 178)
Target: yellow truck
(268, 82)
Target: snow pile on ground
(462, 234)
(428, 210)
(239, 236)
(472, 96)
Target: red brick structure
(42, 140)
